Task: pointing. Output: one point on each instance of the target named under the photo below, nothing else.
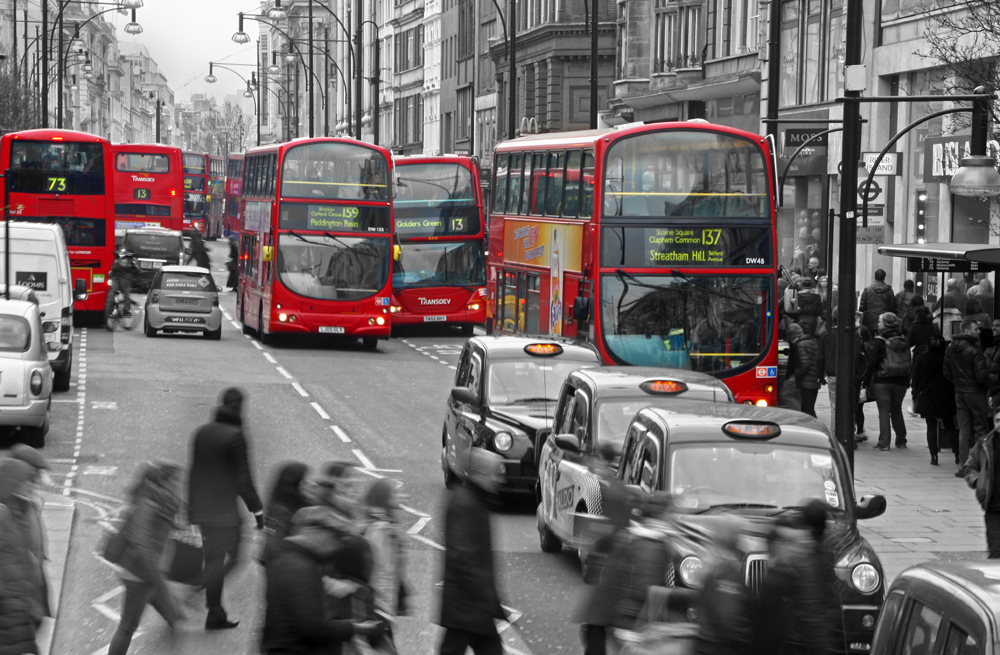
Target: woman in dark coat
(198, 252)
(20, 609)
(232, 264)
(934, 397)
(155, 503)
(808, 358)
(922, 328)
(286, 499)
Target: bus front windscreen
(330, 170)
(706, 323)
(435, 200)
(57, 167)
(330, 267)
(686, 173)
(433, 264)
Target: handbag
(187, 563)
(116, 541)
(867, 396)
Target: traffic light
(921, 217)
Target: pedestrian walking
(154, 504)
(954, 289)
(809, 366)
(287, 497)
(974, 311)
(965, 367)
(889, 369)
(470, 601)
(33, 516)
(336, 487)
(810, 303)
(876, 299)
(387, 577)
(19, 580)
(934, 398)
(774, 611)
(916, 302)
(816, 614)
(296, 620)
(980, 474)
(219, 474)
(921, 330)
(862, 348)
(724, 610)
(232, 265)
(198, 253)
(904, 299)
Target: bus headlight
(380, 320)
(865, 577)
(692, 571)
(761, 403)
(503, 441)
(282, 317)
(473, 307)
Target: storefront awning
(970, 252)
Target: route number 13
(457, 224)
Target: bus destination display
(334, 218)
(683, 246)
(428, 222)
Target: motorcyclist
(120, 279)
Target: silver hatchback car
(183, 299)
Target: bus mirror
(397, 253)
(268, 253)
(581, 308)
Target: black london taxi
(754, 463)
(594, 408)
(505, 391)
(947, 607)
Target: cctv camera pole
(6, 232)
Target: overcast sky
(184, 35)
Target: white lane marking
(255, 344)
(94, 494)
(100, 604)
(418, 526)
(284, 372)
(246, 336)
(415, 512)
(269, 357)
(454, 368)
(236, 325)
(81, 399)
(367, 463)
(371, 473)
(302, 392)
(433, 357)
(319, 410)
(340, 433)
(422, 539)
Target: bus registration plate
(330, 329)
(435, 319)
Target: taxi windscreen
(706, 476)
(529, 381)
(15, 334)
(186, 282)
(154, 246)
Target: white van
(40, 262)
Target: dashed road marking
(367, 463)
(255, 344)
(340, 433)
(302, 392)
(284, 372)
(81, 398)
(319, 410)
(269, 357)
(415, 512)
(425, 540)
(418, 526)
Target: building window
(812, 52)
(678, 36)
(464, 113)
(409, 49)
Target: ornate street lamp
(277, 12)
(133, 27)
(274, 69)
(130, 4)
(977, 176)
(241, 37)
(211, 78)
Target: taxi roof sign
(543, 349)
(752, 429)
(659, 387)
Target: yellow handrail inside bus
(380, 186)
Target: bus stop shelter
(946, 259)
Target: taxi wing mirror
(80, 289)
(464, 395)
(581, 308)
(568, 442)
(268, 253)
(869, 507)
(397, 253)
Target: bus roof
(434, 159)
(589, 137)
(145, 147)
(56, 135)
(275, 147)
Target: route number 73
(57, 184)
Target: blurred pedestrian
(725, 607)
(219, 474)
(921, 331)
(33, 515)
(876, 299)
(986, 297)
(912, 312)
(233, 265)
(287, 497)
(889, 369)
(862, 349)
(198, 253)
(965, 367)
(816, 615)
(809, 301)
(387, 578)
(470, 601)
(934, 398)
(336, 486)
(980, 474)
(809, 366)
(19, 580)
(154, 504)
(974, 311)
(295, 618)
(774, 611)
(948, 317)
(954, 289)
(905, 298)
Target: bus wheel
(369, 344)
(468, 329)
(243, 319)
(489, 326)
(260, 326)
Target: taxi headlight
(36, 383)
(865, 577)
(502, 441)
(692, 571)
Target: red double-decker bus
(655, 242)
(149, 187)
(441, 275)
(65, 177)
(316, 240)
(234, 185)
(204, 193)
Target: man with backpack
(888, 378)
(966, 368)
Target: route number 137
(711, 237)
(57, 184)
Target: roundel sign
(870, 189)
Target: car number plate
(186, 301)
(51, 336)
(185, 319)
(330, 329)
(435, 319)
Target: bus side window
(587, 185)
(514, 194)
(572, 185)
(557, 161)
(538, 185)
(274, 175)
(500, 184)
(526, 184)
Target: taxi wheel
(214, 335)
(548, 541)
(147, 328)
(61, 379)
(35, 437)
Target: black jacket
(965, 366)
(469, 601)
(876, 299)
(725, 611)
(876, 353)
(295, 619)
(919, 335)
(809, 365)
(979, 468)
(220, 472)
(935, 394)
(994, 373)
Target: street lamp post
(512, 84)
(359, 71)
(376, 82)
(212, 79)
